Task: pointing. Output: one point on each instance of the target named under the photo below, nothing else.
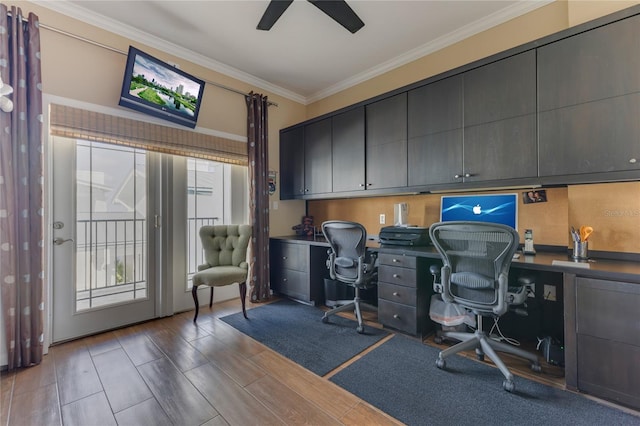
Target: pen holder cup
(580, 250)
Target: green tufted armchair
(225, 254)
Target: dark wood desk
(599, 307)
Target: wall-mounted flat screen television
(495, 208)
(154, 87)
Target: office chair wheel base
(438, 340)
(441, 363)
(536, 368)
(508, 385)
(479, 355)
(325, 320)
(360, 329)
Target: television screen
(154, 87)
(498, 208)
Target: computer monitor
(495, 208)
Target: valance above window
(78, 123)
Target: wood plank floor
(168, 371)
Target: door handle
(59, 241)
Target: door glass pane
(205, 206)
(111, 225)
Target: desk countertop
(617, 270)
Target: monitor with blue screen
(495, 208)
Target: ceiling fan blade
(275, 9)
(340, 12)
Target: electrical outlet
(550, 293)
(383, 219)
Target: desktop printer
(404, 236)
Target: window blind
(78, 123)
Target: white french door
(103, 233)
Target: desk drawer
(398, 293)
(398, 316)
(397, 275)
(292, 256)
(397, 260)
(292, 283)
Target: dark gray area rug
(400, 377)
(297, 332)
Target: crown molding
(497, 18)
(81, 14)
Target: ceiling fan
(338, 10)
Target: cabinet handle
(396, 316)
(361, 185)
(457, 176)
(395, 293)
(395, 260)
(633, 161)
(306, 190)
(369, 184)
(284, 257)
(468, 175)
(284, 280)
(396, 276)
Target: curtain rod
(113, 49)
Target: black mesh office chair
(350, 263)
(476, 258)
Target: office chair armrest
(370, 265)
(330, 261)
(435, 272)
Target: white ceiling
(306, 56)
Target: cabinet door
(608, 340)
(434, 120)
(317, 157)
(593, 65)
(292, 163)
(595, 137)
(500, 120)
(504, 149)
(500, 90)
(386, 156)
(348, 151)
(589, 101)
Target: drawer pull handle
(395, 293)
(284, 280)
(396, 316)
(395, 260)
(396, 276)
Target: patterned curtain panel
(21, 189)
(257, 145)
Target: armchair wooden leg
(243, 296)
(194, 293)
(211, 298)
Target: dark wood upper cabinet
(291, 163)
(499, 90)
(386, 143)
(434, 119)
(593, 65)
(348, 151)
(563, 109)
(500, 120)
(317, 157)
(589, 101)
